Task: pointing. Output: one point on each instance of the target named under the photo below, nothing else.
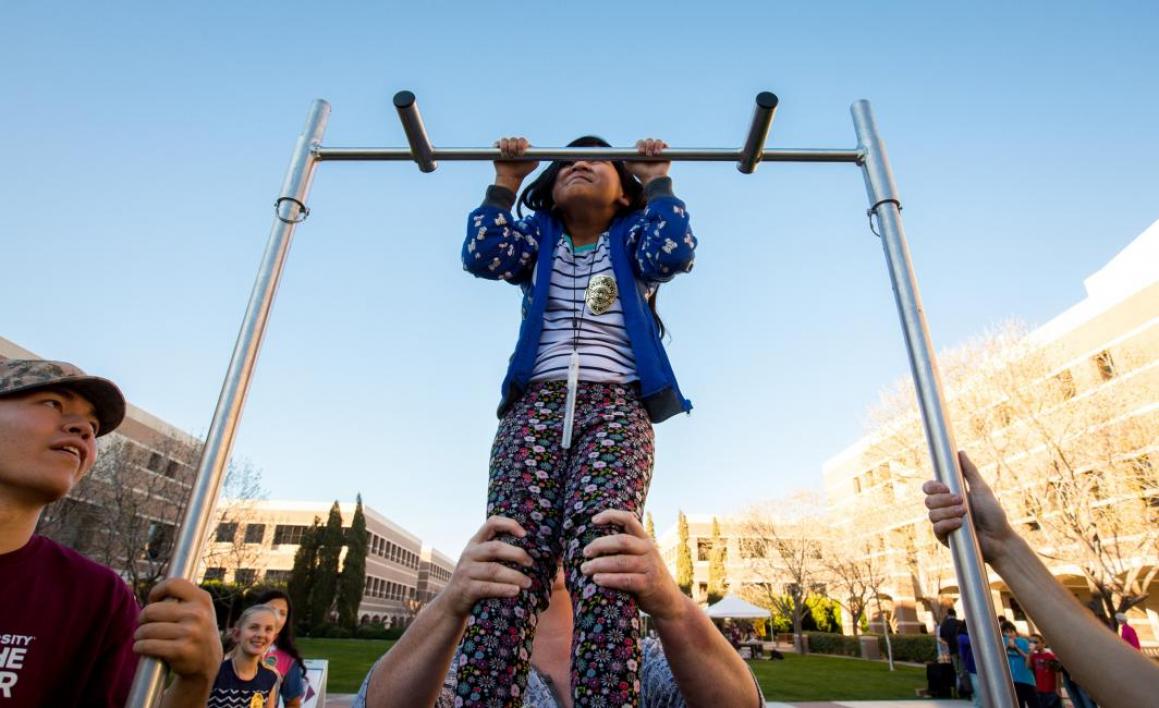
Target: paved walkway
(344, 701)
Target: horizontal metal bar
(578, 153)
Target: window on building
(703, 549)
(160, 541)
(255, 533)
(286, 534)
(1093, 480)
(245, 576)
(1140, 465)
(156, 462)
(978, 425)
(214, 574)
(226, 532)
(857, 485)
(1065, 383)
(1105, 365)
(1016, 610)
(173, 469)
(278, 577)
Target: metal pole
(467, 154)
(290, 209)
(989, 652)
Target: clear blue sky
(143, 147)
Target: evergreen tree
(683, 555)
(302, 576)
(717, 580)
(650, 527)
(353, 579)
(322, 594)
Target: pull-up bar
(884, 203)
(427, 156)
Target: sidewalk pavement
(344, 701)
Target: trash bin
(870, 649)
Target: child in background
(588, 378)
(283, 655)
(242, 680)
(1045, 666)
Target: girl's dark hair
(537, 197)
(285, 638)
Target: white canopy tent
(733, 607)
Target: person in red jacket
(1127, 632)
(1045, 666)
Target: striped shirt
(568, 323)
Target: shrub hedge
(917, 648)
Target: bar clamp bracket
(303, 210)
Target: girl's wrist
(508, 182)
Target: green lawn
(828, 678)
(809, 678)
(350, 659)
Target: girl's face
(588, 184)
(282, 610)
(256, 634)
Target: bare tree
(125, 513)
(783, 543)
(1068, 444)
(231, 544)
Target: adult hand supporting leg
(708, 671)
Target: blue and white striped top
(602, 340)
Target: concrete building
(1066, 426)
(435, 570)
(255, 543)
(125, 513)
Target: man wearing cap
(70, 629)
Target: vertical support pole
(290, 210)
(989, 651)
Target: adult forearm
(1110, 670)
(412, 672)
(707, 669)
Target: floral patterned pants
(553, 493)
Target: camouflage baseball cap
(23, 375)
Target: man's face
(47, 443)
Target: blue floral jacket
(648, 247)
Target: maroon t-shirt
(66, 629)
